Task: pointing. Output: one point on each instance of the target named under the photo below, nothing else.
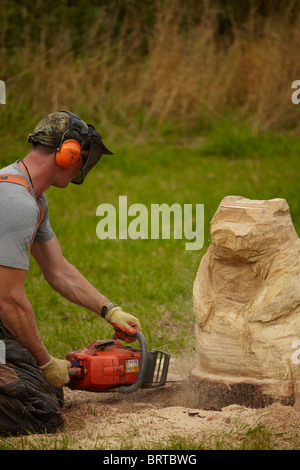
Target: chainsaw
(107, 365)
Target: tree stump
(246, 299)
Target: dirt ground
(152, 418)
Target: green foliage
(108, 62)
(238, 437)
(153, 278)
(136, 273)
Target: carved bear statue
(246, 298)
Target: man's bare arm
(17, 314)
(64, 278)
(71, 284)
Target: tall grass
(132, 66)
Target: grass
(153, 279)
(239, 437)
(258, 437)
(108, 62)
(136, 273)
(205, 117)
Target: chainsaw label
(132, 365)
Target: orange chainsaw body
(106, 365)
(102, 365)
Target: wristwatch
(107, 308)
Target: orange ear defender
(68, 154)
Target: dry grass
(178, 68)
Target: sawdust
(153, 418)
(157, 419)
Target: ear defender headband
(69, 151)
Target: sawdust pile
(145, 420)
(151, 419)
(157, 419)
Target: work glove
(56, 371)
(124, 324)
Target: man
(64, 150)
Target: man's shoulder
(14, 170)
(14, 196)
(11, 169)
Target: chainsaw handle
(143, 366)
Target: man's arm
(64, 278)
(17, 314)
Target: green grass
(258, 437)
(238, 437)
(153, 279)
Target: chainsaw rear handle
(142, 369)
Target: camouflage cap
(50, 130)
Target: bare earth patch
(151, 419)
(165, 418)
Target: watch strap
(107, 308)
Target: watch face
(107, 308)
(104, 311)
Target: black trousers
(28, 403)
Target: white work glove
(124, 324)
(56, 371)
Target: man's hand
(56, 371)
(124, 324)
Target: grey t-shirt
(19, 219)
